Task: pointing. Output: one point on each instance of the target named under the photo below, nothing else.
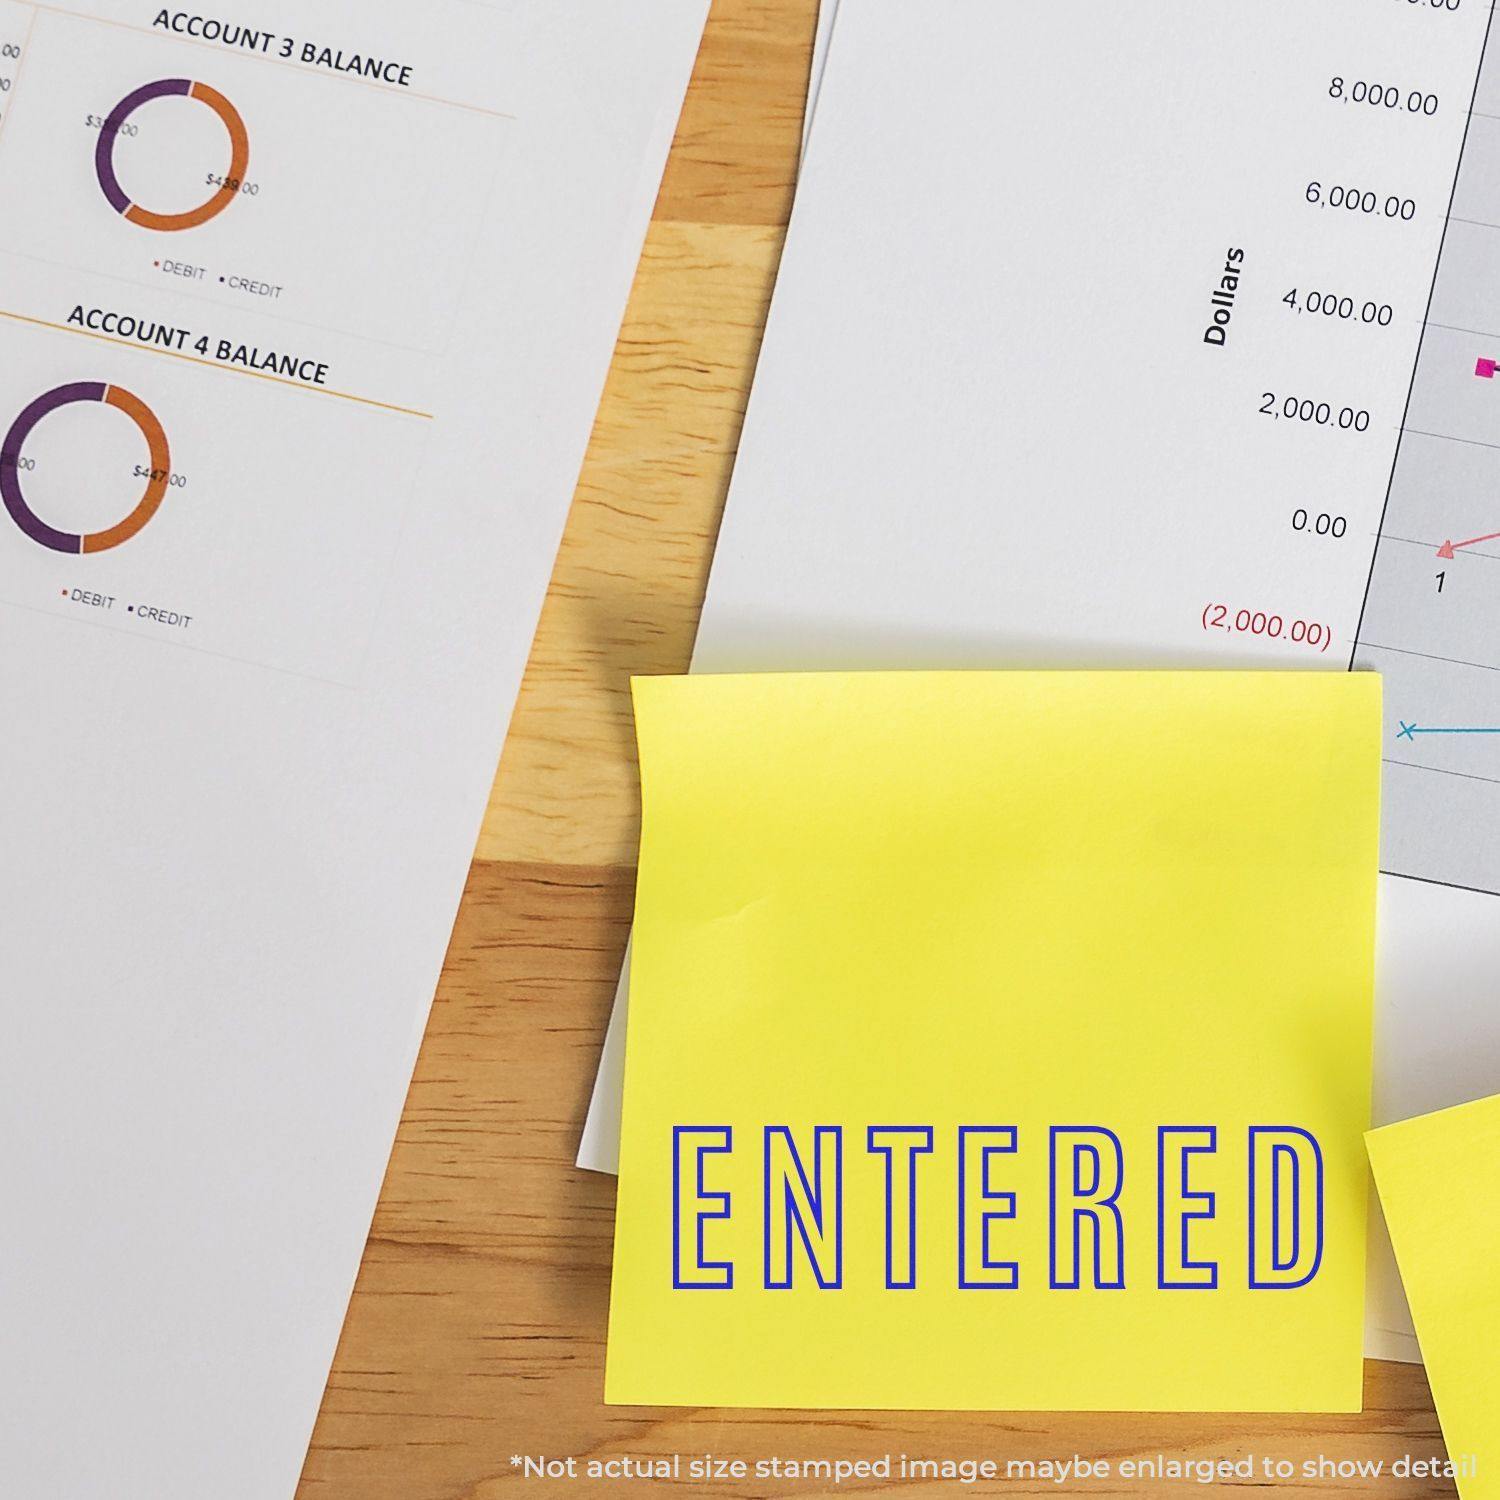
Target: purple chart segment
(10, 465)
(104, 152)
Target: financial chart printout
(1431, 620)
(1104, 355)
(305, 309)
(181, 270)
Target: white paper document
(305, 309)
(1102, 337)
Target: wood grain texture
(633, 566)
(477, 1328)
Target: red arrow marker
(1448, 549)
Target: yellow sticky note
(1440, 1191)
(999, 1040)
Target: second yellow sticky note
(1441, 1195)
(999, 1041)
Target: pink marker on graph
(1485, 369)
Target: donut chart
(78, 543)
(167, 88)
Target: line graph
(1431, 622)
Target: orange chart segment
(156, 486)
(239, 154)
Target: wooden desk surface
(477, 1329)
